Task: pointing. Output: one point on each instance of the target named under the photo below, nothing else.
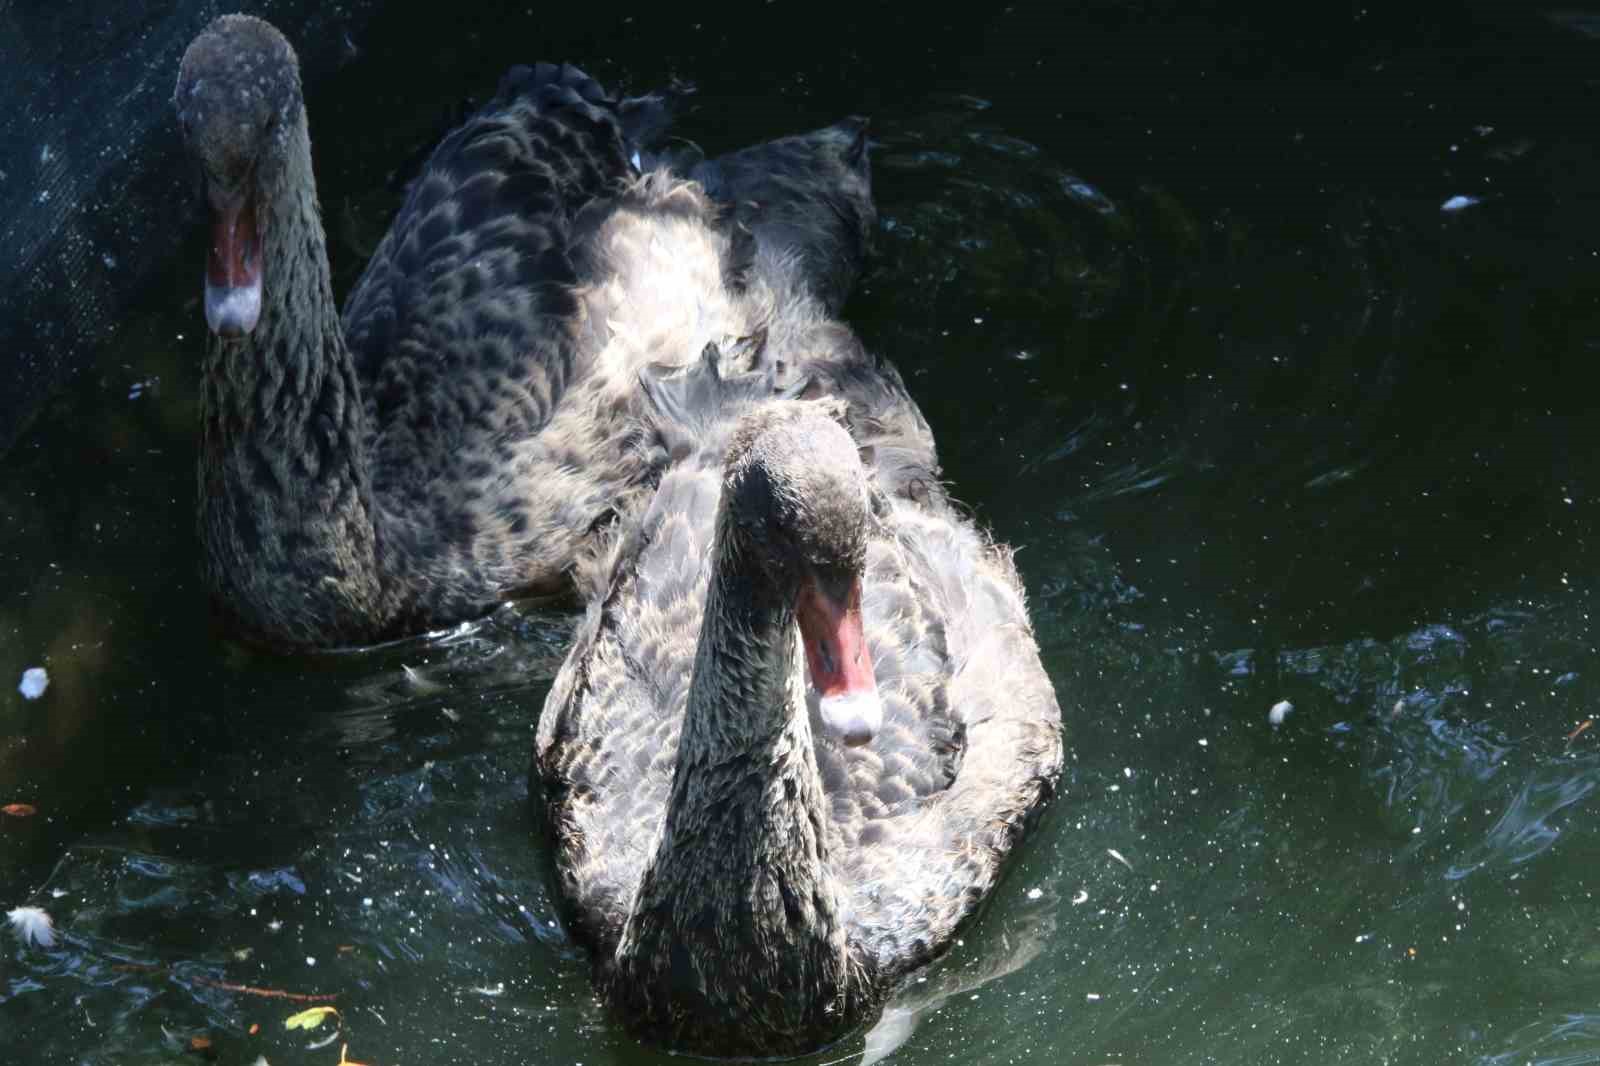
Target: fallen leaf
(1587, 722)
(255, 1027)
(199, 1043)
(345, 949)
(19, 810)
(309, 1019)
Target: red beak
(233, 269)
(829, 613)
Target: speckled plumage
(748, 885)
(462, 434)
(809, 194)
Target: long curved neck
(285, 497)
(736, 942)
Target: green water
(1265, 423)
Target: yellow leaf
(309, 1019)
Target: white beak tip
(853, 718)
(232, 311)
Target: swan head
(797, 498)
(237, 98)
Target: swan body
(752, 871)
(455, 438)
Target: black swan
(459, 437)
(755, 860)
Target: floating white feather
(33, 926)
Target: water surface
(1266, 423)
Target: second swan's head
(797, 508)
(238, 98)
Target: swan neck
(747, 693)
(285, 497)
(738, 915)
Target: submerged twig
(229, 986)
(268, 993)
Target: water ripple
(1525, 830)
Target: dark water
(1179, 296)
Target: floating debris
(1081, 897)
(1035, 893)
(310, 1019)
(1115, 854)
(1459, 203)
(345, 1060)
(33, 926)
(419, 682)
(318, 1045)
(1280, 710)
(34, 681)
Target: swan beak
(829, 614)
(233, 270)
